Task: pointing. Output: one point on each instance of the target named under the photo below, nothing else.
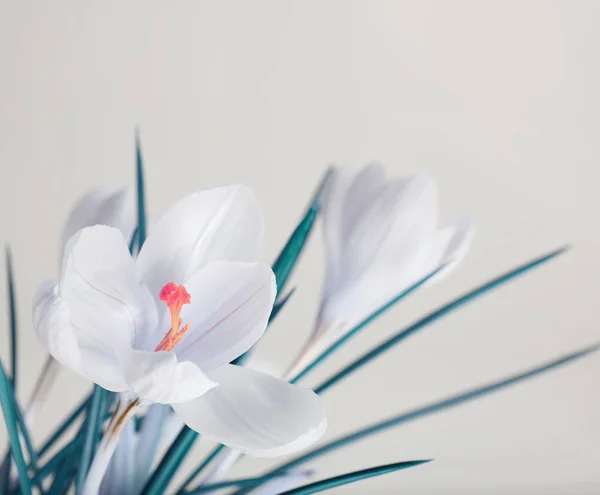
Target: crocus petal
(159, 377)
(52, 321)
(255, 413)
(348, 191)
(455, 242)
(99, 286)
(112, 206)
(223, 223)
(229, 310)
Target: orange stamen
(175, 296)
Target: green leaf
(280, 303)
(352, 477)
(12, 316)
(58, 433)
(436, 315)
(289, 255)
(133, 245)
(345, 338)
(227, 484)
(54, 463)
(64, 475)
(8, 403)
(435, 407)
(90, 433)
(141, 202)
(164, 473)
(200, 468)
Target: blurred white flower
(381, 237)
(163, 327)
(107, 205)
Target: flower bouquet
(162, 319)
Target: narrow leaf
(90, 436)
(10, 418)
(58, 433)
(228, 484)
(436, 315)
(289, 255)
(26, 439)
(55, 461)
(435, 407)
(12, 317)
(171, 461)
(352, 477)
(280, 303)
(201, 468)
(141, 202)
(64, 475)
(345, 338)
(133, 244)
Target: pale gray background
(499, 100)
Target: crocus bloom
(381, 237)
(164, 327)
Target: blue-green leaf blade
(437, 314)
(141, 195)
(369, 319)
(201, 467)
(12, 316)
(58, 433)
(288, 257)
(280, 303)
(8, 404)
(90, 436)
(228, 484)
(164, 473)
(352, 477)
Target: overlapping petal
(224, 223)
(255, 413)
(381, 237)
(160, 377)
(229, 310)
(99, 285)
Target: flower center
(174, 296)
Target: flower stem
(124, 411)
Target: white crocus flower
(106, 205)
(381, 237)
(164, 327)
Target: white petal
(159, 377)
(255, 413)
(223, 223)
(98, 284)
(229, 310)
(456, 241)
(51, 319)
(112, 206)
(51, 322)
(348, 191)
